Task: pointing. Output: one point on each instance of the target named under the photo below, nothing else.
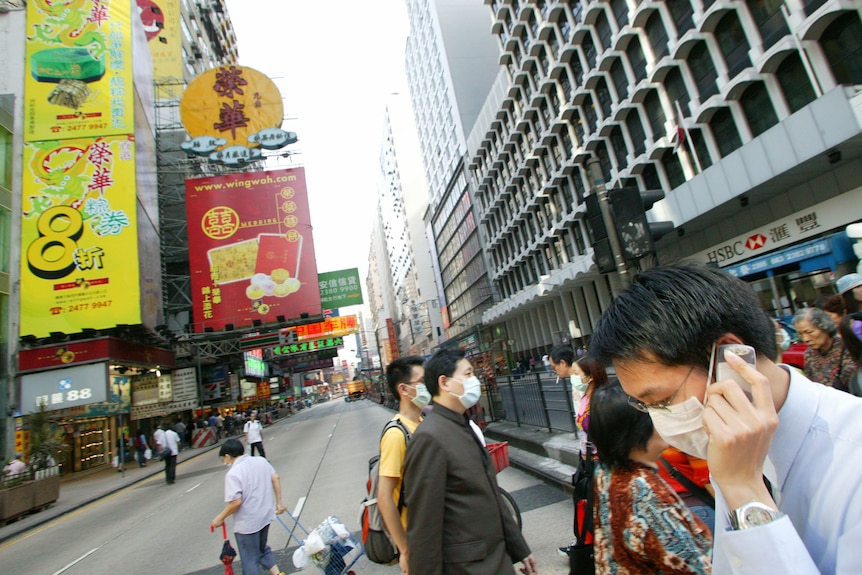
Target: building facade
(747, 118)
(451, 64)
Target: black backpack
(378, 546)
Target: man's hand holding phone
(740, 428)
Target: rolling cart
(336, 551)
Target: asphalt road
(322, 456)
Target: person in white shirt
(167, 442)
(253, 437)
(771, 423)
(252, 492)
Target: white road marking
(189, 490)
(78, 560)
(299, 505)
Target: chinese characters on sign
(251, 250)
(307, 346)
(340, 288)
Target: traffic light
(598, 232)
(628, 208)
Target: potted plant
(46, 449)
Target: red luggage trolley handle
(499, 452)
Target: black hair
(231, 447)
(563, 353)
(616, 428)
(400, 371)
(444, 362)
(673, 314)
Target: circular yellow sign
(220, 222)
(231, 102)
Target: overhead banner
(161, 22)
(79, 244)
(251, 250)
(340, 288)
(78, 59)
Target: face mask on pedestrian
(472, 391)
(422, 397)
(681, 425)
(578, 383)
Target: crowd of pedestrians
(693, 473)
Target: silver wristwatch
(753, 514)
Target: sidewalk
(550, 455)
(87, 487)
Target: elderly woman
(640, 525)
(826, 360)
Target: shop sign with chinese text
(340, 288)
(79, 244)
(307, 346)
(251, 250)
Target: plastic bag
(148, 453)
(115, 462)
(300, 558)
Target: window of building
(700, 147)
(621, 12)
(636, 131)
(5, 158)
(676, 90)
(604, 159)
(702, 70)
(769, 19)
(590, 119)
(636, 59)
(578, 238)
(758, 108)
(603, 27)
(657, 35)
(672, 168)
(578, 181)
(565, 86)
(655, 114)
(618, 142)
(604, 97)
(589, 49)
(578, 125)
(843, 49)
(650, 177)
(794, 82)
(811, 6)
(621, 81)
(680, 11)
(733, 44)
(724, 130)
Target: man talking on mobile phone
(785, 461)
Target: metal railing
(537, 399)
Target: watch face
(755, 516)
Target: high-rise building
(451, 63)
(402, 202)
(744, 115)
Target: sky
(335, 68)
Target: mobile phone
(724, 371)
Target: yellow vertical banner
(78, 80)
(79, 261)
(161, 19)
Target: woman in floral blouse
(640, 523)
(827, 361)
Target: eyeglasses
(664, 403)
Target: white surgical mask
(422, 397)
(681, 425)
(578, 383)
(472, 391)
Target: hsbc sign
(808, 223)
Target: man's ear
(728, 339)
(442, 383)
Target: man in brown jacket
(457, 523)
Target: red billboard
(251, 251)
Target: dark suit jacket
(456, 521)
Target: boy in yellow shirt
(404, 377)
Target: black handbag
(581, 555)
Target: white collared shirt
(817, 455)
